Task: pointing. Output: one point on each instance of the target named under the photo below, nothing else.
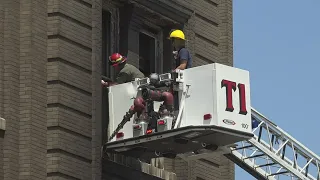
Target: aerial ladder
(199, 111)
(272, 153)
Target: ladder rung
(283, 172)
(265, 154)
(243, 147)
(258, 155)
(269, 164)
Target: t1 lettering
(230, 87)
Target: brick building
(52, 57)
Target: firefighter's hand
(104, 84)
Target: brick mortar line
(63, 129)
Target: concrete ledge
(170, 8)
(2, 124)
(142, 167)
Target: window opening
(105, 70)
(106, 42)
(147, 53)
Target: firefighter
(182, 58)
(182, 55)
(126, 71)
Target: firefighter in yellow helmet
(182, 58)
(182, 55)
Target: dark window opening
(105, 71)
(125, 16)
(106, 42)
(147, 53)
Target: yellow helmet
(177, 34)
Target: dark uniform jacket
(128, 73)
(183, 54)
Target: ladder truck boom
(199, 111)
(272, 153)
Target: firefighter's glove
(104, 84)
(176, 70)
(175, 54)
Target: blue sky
(279, 43)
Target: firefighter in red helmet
(126, 72)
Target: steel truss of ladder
(273, 153)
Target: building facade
(53, 54)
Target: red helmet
(116, 59)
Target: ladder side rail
(284, 134)
(285, 159)
(297, 147)
(246, 160)
(277, 159)
(254, 170)
(258, 114)
(289, 143)
(306, 165)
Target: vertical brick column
(2, 131)
(96, 88)
(226, 55)
(33, 89)
(70, 107)
(1, 55)
(226, 32)
(1, 83)
(1, 153)
(189, 30)
(10, 87)
(228, 169)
